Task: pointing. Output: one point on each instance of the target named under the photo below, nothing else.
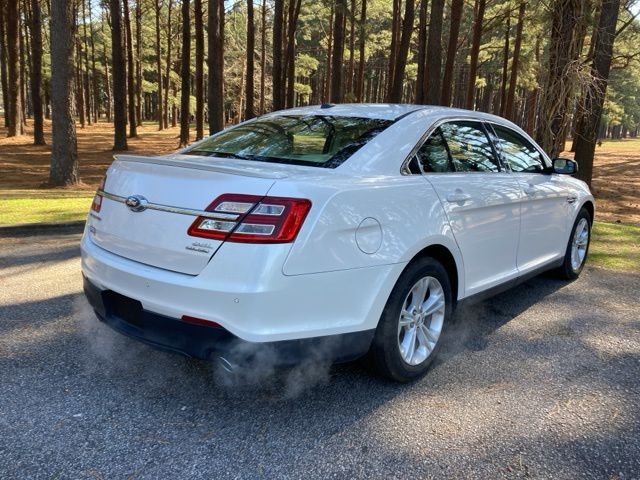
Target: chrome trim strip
(170, 209)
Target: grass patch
(615, 246)
(43, 206)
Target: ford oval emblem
(136, 203)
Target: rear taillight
(252, 219)
(96, 205)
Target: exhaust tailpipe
(226, 365)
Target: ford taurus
(336, 230)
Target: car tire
(570, 269)
(406, 321)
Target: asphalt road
(541, 382)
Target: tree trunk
(79, 85)
(362, 40)
(85, 77)
(251, 45)
(395, 36)
(13, 63)
(185, 75)
(397, 81)
(167, 66)
(475, 50)
(567, 35)
(199, 70)
(23, 38)
(64, 159)
(174, 105)
(505, 66)
(327, 80)
(138, 62)
(216, 66)
(579, 110)
(3, 67)
(107, 79)
(278, 71)
(337, 88)
(131, 86)
(487, 95)
(158, 6)
(421, 57)
(452, 47)
(294, 12)
(119, 80)
(595, 96)
(434, 53)
(263, 56)
(513, 81)
(352, 46)
(94, 70)
(36, 74)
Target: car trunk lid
(170, 194)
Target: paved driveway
(541, 382)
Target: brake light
(252, 219)
(96, 205)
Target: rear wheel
(577, 248)
(408, 335)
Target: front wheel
(578, 247)
(408, 336)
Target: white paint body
(368, 220)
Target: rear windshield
(315, 140)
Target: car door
(481, 199)
(545, 210)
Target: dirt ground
(24, 166)
(616, 181)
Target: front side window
(314, 140)
(518, 152)
(470, 148)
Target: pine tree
(64, 158)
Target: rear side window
(518, 152)
(470, 148)
(314, 140)
(433, 155)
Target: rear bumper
(244, 290)
(127, 316)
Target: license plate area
(124, 308)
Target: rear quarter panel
(344, 219)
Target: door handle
(458, 197)
(571, 199)
(530, 191)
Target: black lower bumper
(127, 316)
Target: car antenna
(327, 105)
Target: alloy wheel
(421, 320)
(579, 244)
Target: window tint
(518, 152)
(433, 154)
(314, 140)
(470, 147)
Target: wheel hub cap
(421, 320)
(579, 244)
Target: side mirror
(564, 166)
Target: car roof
(384, 111)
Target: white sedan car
(329, 231)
